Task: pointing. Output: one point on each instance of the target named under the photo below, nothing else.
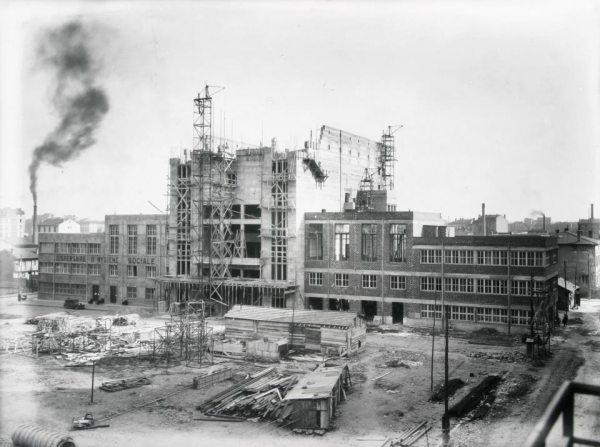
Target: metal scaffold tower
(283, 171)
(213, 243)
(387, 157)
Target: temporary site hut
(316, 330)
(315, 396)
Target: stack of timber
(261, 395)
(410, 436)
(471, 400)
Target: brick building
(580, 261)
(494, 224)
(120, 264)
(390, 265)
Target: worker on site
(566, 319)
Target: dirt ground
(43, 391)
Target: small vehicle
(71, 303)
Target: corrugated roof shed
(316, 385)
(312, 317)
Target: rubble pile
(504, 356)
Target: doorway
(113, 294)
(369, 309)
(315, 303)
(397, 313)
(95, 292)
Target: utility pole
(433, 336)
(446, 420)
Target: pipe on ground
(34, 436)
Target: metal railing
(563, 404)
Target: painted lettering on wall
(69, 258)
(148, 261)
(105, 259)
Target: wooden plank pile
(410, 436)
(260, 395)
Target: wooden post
(93, 374)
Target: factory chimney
(34, 222)
(544, 223)
(592, 211)
(483, 218)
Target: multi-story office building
(120, 264)
(399, 266)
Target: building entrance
(113, 294)
(397, 313)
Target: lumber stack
(484, 408)
(261, 395)
(410, 436)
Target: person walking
(565, 319)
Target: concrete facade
(266, 195)
(479, 282)
(119, 264)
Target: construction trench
(187, 368)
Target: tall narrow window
(342, 242)
(151, 239)
(397, 243)
(132, 239)
(114, 239)
(369, 242)
(315, 241)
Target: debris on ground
(410, 436)
(503, 356)
(471, 400)
(484, 408)
(124, 384)
(453, 386)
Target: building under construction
(236, 217)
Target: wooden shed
(316, 396)
(329, 332)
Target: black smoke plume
(81, 104)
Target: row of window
(481, 314)
(368, 281)
(369, 245)
(81, 290)
(94, 269)
(95, 248)
(432, 284)
(482, 286)
(489, 257)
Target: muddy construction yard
(391, 391)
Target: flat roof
(298, 316)
(316, 385)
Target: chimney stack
(483, 218)
(592, 211)
(543, 222)
(579, 233)
(34, 223)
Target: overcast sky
(499, 100)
